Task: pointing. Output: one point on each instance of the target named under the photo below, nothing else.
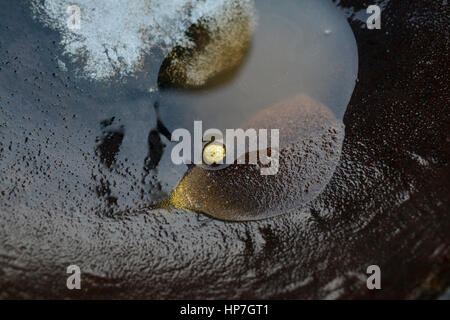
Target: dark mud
(67, 168)
(309, 150)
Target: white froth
(115, 35)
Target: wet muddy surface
(82, 162)
(310, 146)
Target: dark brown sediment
(219, 48)
(310, 146)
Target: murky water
(297, 47)
(78, 157)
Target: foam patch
(114, 36)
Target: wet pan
(82, 165)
